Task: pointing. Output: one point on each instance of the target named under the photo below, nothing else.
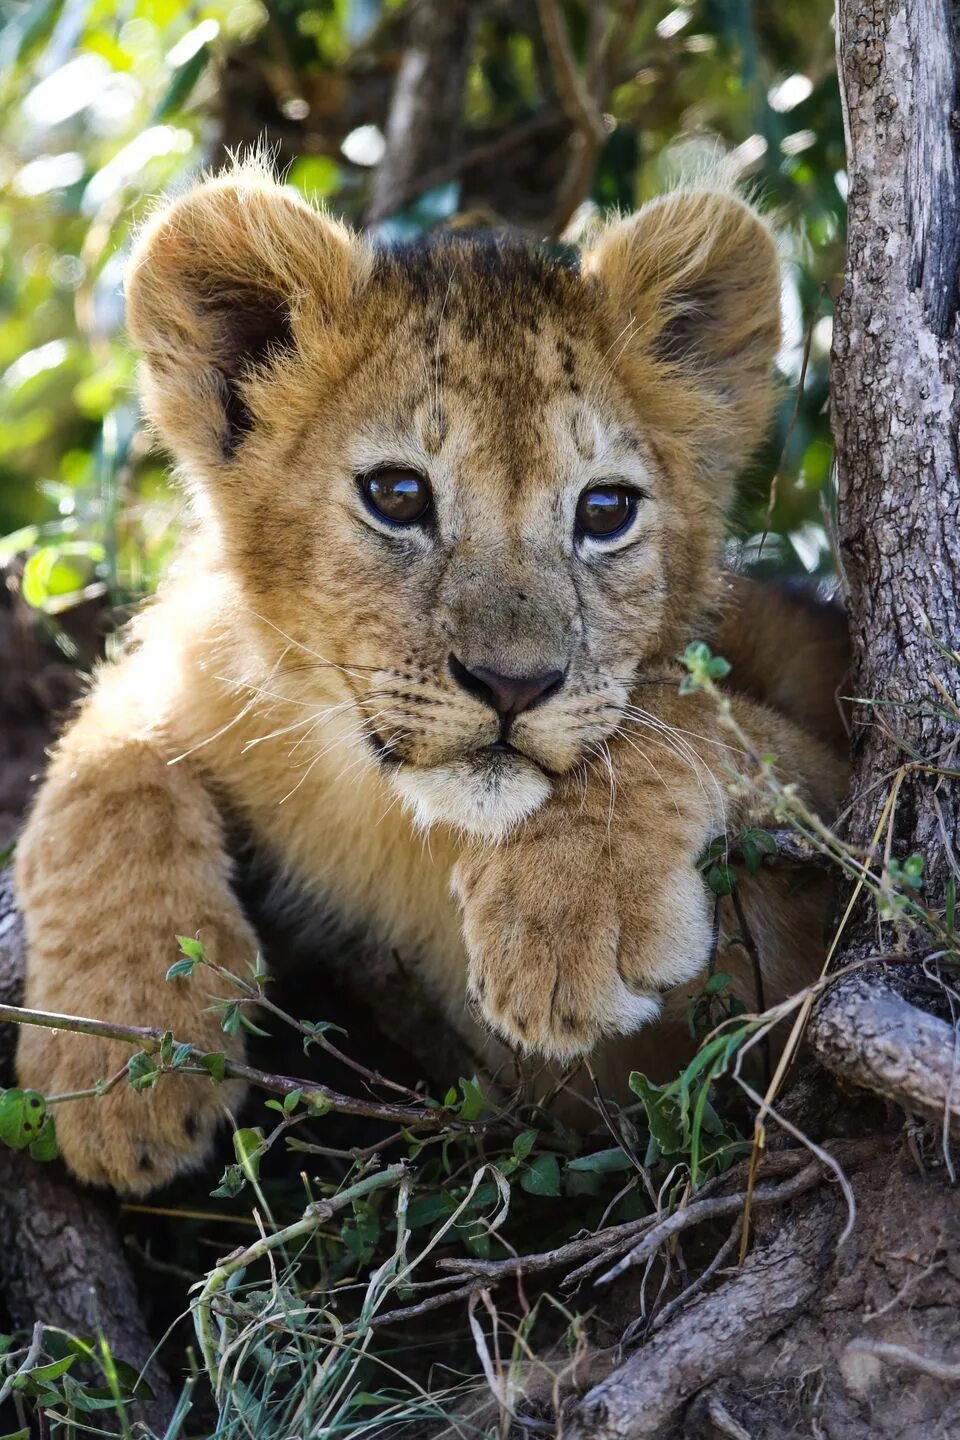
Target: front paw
(568, 944)
(132, 1141)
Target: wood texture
(896, 408)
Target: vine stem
(313, 1217)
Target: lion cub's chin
(485, 799)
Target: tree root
(867, 1034)
(644, 1396)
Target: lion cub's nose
(509, 695)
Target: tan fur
(282, 358)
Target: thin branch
(149, 1038)
(699, 1211)
(609, 1241)
(577, 101)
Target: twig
(703, 1279)
(901, 1355)
(702, 1210)
(411, 1312)
(28, 1362)
(578, 103)
(581, 101)
(149, 1038)
(603, 1242)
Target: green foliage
(103, 106)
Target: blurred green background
(103, 103)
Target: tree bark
(896, 408)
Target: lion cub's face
(479, 486)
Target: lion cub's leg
(122, 853)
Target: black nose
(508, 694)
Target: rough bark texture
(896, 404)
(868, 1034)
(425, 122)
(641, 1399)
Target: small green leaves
(181, 967)
(900, 880)
(314, 1031)
(192, 949)
(702, 666)
(233, 1020)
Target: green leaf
(142, 1071)
(231, 1018)
(602, 1162)
(166, 1047)
(181, 83)
(252, 1029)
(53, 1370)
(215, 1064)
(291, 1101)
(541, 1176)
(722, 879)
(22, 1114)
(192, 949)
(248, 1148)
(754, 844)
(231, 1183)
(663, 1120)
(45, 1147)
(181, 967)
(524, 1143)
(180, 1056)
(717, 982)
(474, 1101)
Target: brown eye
(604, 511)
(400, 496)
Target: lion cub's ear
(693, 283)
(223, 281)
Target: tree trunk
(877, 1347)
(896, 408)
(426, 114)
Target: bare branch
(148, 1038)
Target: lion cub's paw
(131, 1141)
(565, 950)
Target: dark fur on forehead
(487, 265)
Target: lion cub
(456, 508)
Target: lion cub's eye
(401, 496)
(605, 511)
